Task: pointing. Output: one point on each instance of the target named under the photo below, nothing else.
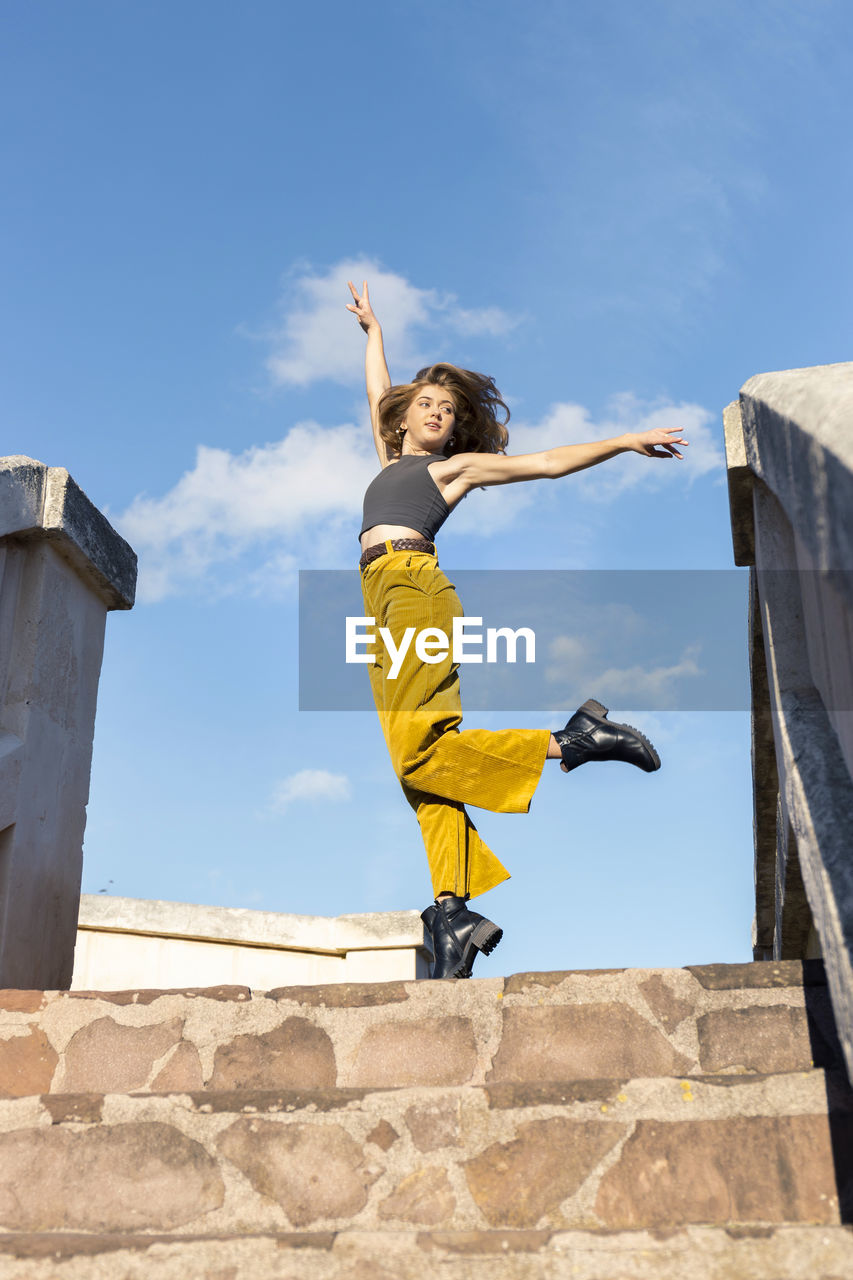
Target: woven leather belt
(397, 544)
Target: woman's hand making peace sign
(362, 309)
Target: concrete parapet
(132, 942)
(62, 567)
(789, 447)
(39, 503)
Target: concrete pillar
(790, 467)
(62, 568)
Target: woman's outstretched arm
(376, 375)
(493, 468)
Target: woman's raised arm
(376, 375)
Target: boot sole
(485, 936)
(599, 712)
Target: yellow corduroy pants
(442, 768)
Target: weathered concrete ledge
(789, 446)
(126, 942)
(798, 440)
(62, 568)
(37, 501)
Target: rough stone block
(523, 983)
(434, 1124)
(424, 1197)
(21, 1001)
(758, 974)
(259, 1101)
(508, 1095)
(555, 1042)
(428, 1051)
(109, 1057)
(515, 1183)
(669, 1008)
(312, 1171)
(27, 1064)
(295, 1055)
(226, 994)
(344, 995)
(742, 1169)
(479, 1244)
(182, 1073)
(765, 1039)
(74, 1108)
(108, 1178)
(383, 1136)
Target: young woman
(437, 438)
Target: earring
(452, 440)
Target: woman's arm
(376, 375)
(468, 470)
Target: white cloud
(310, 785)
(268, 500)
(567, 423)
(287, 504)
(648, 684)
(319, 339)
(575, 661)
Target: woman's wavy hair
(481, 415)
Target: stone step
(763, 1017)
(692, 1253)
(655, 1153)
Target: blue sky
(620, 211)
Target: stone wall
(62, 567)
(789, 445)
(125, 943)
(492, 1117)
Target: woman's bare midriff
(382, 532)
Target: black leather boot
(589, 735)
(457, 935)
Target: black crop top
(405, 493)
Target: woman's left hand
(656, 444)
(361, 308)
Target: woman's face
(430, 419)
